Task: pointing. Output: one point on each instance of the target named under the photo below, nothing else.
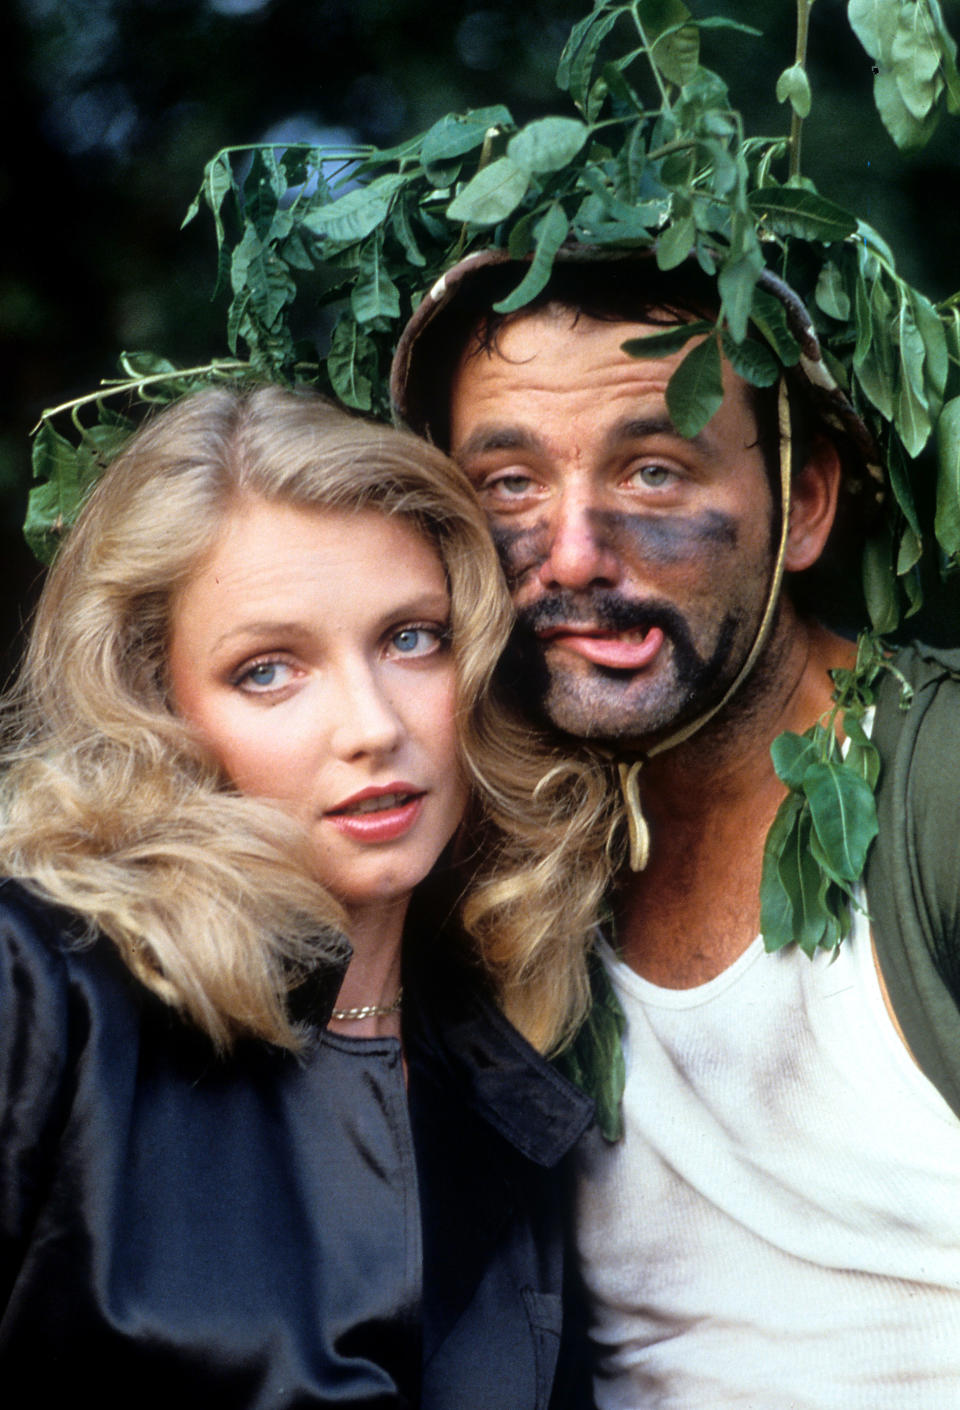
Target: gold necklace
(368, 1010)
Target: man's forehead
(556, 351)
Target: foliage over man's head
(339, 248)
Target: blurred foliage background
(113, 106)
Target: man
(778, 1226)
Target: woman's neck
(373, 977)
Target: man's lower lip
(381, 826)
(618, 653)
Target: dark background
(113, 107)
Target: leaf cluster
(326, 253)
(817, 846)
(915, 74)
(65, 470)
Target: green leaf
(830, 293)
(547, 145)
(861, 752)
(930, 328)
(790, 210)
(801, 879)
(262, 190)
(261, 280)
(792, 755)
(874, 22)
(879, 583)
(910, 551)
(843, 811)
(915, 58)
(695, 391)
(863, 319)
(908, 131)
(145, 364)
(752, 361)
(402, 227)
(456, 134)
(551, 232)
(776, 907)
(769, 316)
(793, 87)
(575, 70)
(736, 281)
(911, 414)
(355, 215)
(351, 365)
(216, 185)
(67, 473)
(947, 521)
(676, 43)
(676, 242)
(491, 195)
(876, 372)
(374, 294)
(663, 344)
(594, 1059)
(898, 472)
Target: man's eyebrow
(493, 437)
(638, 428)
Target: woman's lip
(616, 651)
(378, 824)
(374, 790)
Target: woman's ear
(813, 505)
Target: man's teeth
(377, 804)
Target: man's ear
(813, 505)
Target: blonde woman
(294, 909)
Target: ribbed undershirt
(780, 1227)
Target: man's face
(639, 561)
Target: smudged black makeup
(613, 612)
(663, 538)
(521, 551)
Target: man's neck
(709, 803)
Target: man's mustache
(607, 610)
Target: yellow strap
(629, 773)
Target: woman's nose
(365, 719)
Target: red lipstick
(377, 814)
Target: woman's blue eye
(265, 675)
(415, 641)
(262, 675)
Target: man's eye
(416, 641)
(263, 676)
(508, 487)
(654, 477)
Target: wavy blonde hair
(113, 809)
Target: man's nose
(579, 552)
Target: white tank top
(780, 1227)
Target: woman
(243, 1164)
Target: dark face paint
(665, 538)
(697, 678)
(706, 634)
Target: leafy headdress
(649, 158)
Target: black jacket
(178, 1229)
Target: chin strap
(639, 831)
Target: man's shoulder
(917, 703)
(920, 662)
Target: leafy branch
(817, 847)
